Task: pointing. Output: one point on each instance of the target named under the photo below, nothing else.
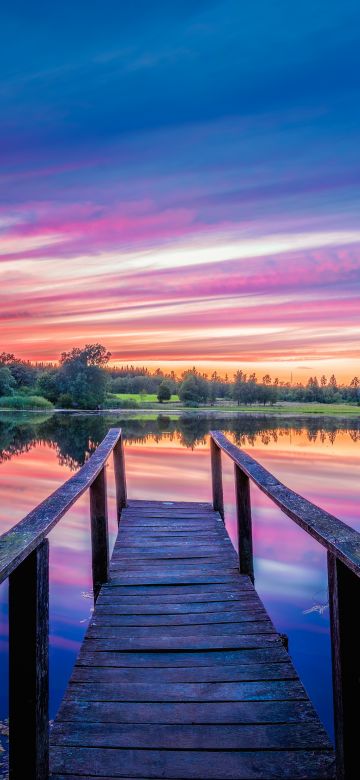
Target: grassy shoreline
(232, 411)
(149, 404)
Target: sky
(181, 182)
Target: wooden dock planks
(181, 674)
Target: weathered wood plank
(177, 566)
(97, 630)
(306, 736)
(262, 690)
(94, 672)
(152, 556)
(195, 577)
(164, 643)
(240, 598)
(29, 666)
(181, 664)
(177, 592)
(173, 609)
(213, 765)
(295, 711)
(197, 619)
(273, 654)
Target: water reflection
(168, 458)
(75, 436)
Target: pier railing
(343, 560)
(24, 559)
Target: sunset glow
(182, 184)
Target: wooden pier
(181, 673)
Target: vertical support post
(29, 667)
(244, 524)
(344, 599)
(216, 473)
(99, 532)
(120, 477)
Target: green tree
(194, 390)
(23, 373)
(355, 390)
(48, 385)
(164, 392)
(90, 355)
(266, 393)
(312, 390)
(7, 381)
(82, 376)
(213, 392)
(238, 390)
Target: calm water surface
(168, 459)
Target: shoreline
(198, 411)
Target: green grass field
(142, 398)
(340, 410)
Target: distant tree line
(83, 379)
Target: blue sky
(133, 131)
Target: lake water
(168, 459)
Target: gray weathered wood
(28, 666)
(260, 690)
(178, 659)
(99, 630)
(24, 559)
(216, 474)
(120, 476)
(95, 672)
(244, 526)
(99, 531)
(17, 543)
(212, 765)
(181, 673)
(343, 549)
(188, 609)
(171, 643)
(197, 619)
(219, 712)
(198, 737)
(344, 599)
(332, 533)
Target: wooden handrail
(19, 541)
(24, 559)
(332, 533)
(343, 561)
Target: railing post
(29, 667)
(120, 477)
(216, 472)
(99, 531)
(344, 599)
(244, 524)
